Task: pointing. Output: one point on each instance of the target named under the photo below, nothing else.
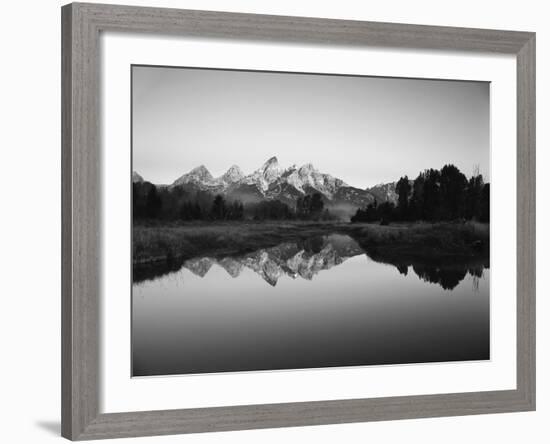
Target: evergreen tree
(403, 190)
(431, 204)
(235, 211)
(416, 204)
(473, 197)
(272, 210)
(219, 209)
(386, 212)
(316, 205)
(196, 211)
(369, 214)
(310, 206)
(484, 206)
(185, 212)
(452, 192)
(153, 203)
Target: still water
(318, 303)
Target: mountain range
(272, 182)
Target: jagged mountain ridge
(271, 181)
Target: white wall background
(30, 220)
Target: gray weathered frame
(81, 26)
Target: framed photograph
(278, 221)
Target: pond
(322, 302)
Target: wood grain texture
(230, 25)
(81, 238)
(526, 220)
(120, 425)
(80, 220)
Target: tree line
(308, 207)
(435, 195)
(154, 203)
(150, 202)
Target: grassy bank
(165, 242)
(436, 243)
(397, 242)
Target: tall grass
(159, 242)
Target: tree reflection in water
(306, 258)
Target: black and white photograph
(285, 221)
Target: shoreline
(445, 242)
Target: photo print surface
(290, 220)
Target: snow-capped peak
(199, 175)
(270, 163)
(201, 172)
(307, 176)
(270, 169)
(232, 175)
(307, 167)
(268, 173)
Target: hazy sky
(363, 130)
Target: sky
(363, 130)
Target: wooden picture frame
(81, 167)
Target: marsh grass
(437, 244)
(438, 241)
(156, 243)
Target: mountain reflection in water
(307, 258)
(329, 303)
